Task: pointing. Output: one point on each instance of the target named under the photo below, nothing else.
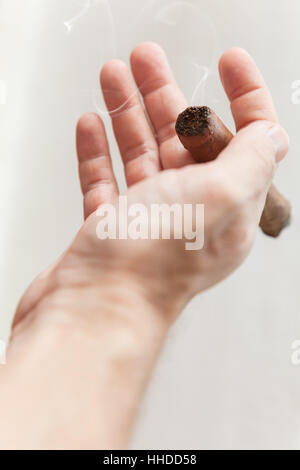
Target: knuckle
(143, 149)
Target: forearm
(76, 378)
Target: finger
(96, 174)
(162, 97)
(137, 144)
(249, 96)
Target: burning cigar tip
(205, 136)
(202, 133)
(193, 121)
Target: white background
(225, 379)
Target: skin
(88, 331)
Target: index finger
(246, 89)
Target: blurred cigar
(203, 133)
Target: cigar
(203, 134)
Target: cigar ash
(193, 121)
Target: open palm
(233, 188)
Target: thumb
(250, 159)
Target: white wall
(225, 379)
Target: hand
(158, 169)
(99, 289)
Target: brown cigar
(205, 136)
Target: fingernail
(280, 141)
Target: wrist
(107, 286)
(100, 339)
(88, 298)
(107, 304)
